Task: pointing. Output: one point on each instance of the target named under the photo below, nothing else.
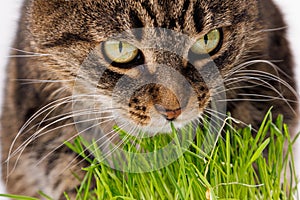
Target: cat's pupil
(206, 39)
(120, 46)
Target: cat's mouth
(158, 124)
(156, 116)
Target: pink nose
(170, 115)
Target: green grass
(234, 168)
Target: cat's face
(143, 61)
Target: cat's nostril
(170, 115)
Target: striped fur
(60, 35)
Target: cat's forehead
(188, 15)
(167, 8)
(99, 18)
(159, 10)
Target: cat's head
(143, 61)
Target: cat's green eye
(120, 52)
(207, 44)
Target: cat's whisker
(81, 112)
(263, 74)
(228, 89)
(210, 119)
(27, 52)
(38, 81)
(224, 115)
(275, 29)
(53, 106)
(77, 55)
(269, 63)
(235, 81)
(247, 99)
(118, 145)
(22, 147)
(132, 131)
(27, 56)
(70, 115)
(40, 132)
(247, 64)
(220, 130)
(88, 148)
(237, 86)
(214, 130)
(267, 97)
(268, 76)
(48, 108)
(217, 114)
(26, 124)
(33, 117)
(262, 77)
(74, 136)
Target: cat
(65, 50)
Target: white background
(9, 12)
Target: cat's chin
(161, 126)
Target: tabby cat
(75, 58)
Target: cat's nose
(170, 115)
